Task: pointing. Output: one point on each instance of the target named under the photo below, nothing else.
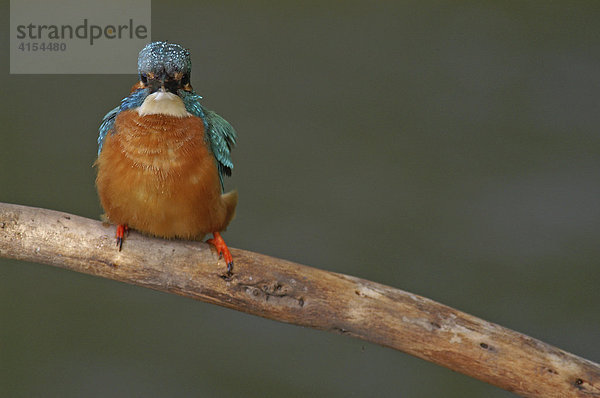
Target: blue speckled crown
(160, 55)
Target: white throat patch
(163, 103)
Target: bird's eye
(185, 79)
(144, 78)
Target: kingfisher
(162, 156)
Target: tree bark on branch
(288, 292)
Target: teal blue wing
(222, 138)
(107, 126)
(220, 134)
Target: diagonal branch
(301, 295)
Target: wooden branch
(293, 293)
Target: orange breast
(156, 174)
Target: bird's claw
(223, 251)
(122, 230)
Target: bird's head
(164, 67)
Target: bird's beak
(166, 83)
(156, 84)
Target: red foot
(222, 249)
(122, 229)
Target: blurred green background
(450, 149)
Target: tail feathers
(230, 199)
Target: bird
(162, 156)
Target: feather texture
(134, 100)
(220, 135)
(157, 175)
